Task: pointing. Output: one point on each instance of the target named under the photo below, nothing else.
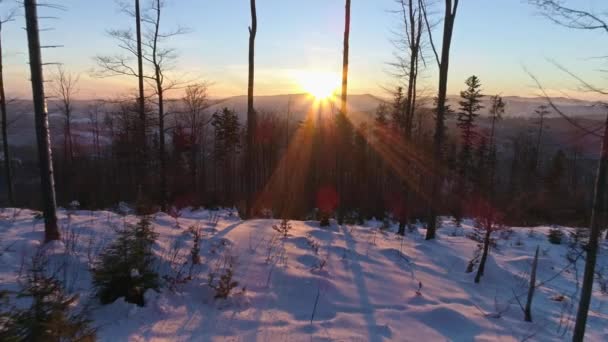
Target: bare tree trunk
(345, 58)
(7, 157)
(251, 116)
(342, 120)
(598, 204)
(161, 149)
(448, 28)
(140, 100)
(415, 35)
(528, 309)
(45, 161)
(159, 78)
(484, 255)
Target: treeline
(380, 173)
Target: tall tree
(451, 7)
(345, 53)
(542, 112)
(45, 159)
(140, 87)
(159, 57)
(584, 20)
(65, 88)
(251, 115)
(119, 65)
(497, 110)
(3, 101)
(195, 118)
(408, 60)
(342, 122)
(470, 104)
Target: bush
(283, 228)
(50, 316)
(223, 285)
(196, 245)
(125, 268)
(324, 219)
(555, 236)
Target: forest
(172, 163)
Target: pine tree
(469, 108)
(50, 317)
(227, 145)
(126, 267)
(381, 118)
(397, 114)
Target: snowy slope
(364, 282)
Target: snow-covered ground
(361, 283)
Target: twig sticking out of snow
(314, 309)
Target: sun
(321, 85)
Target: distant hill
(21, 131)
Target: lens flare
(321, 85)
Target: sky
(493, 39)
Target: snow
(366, 284)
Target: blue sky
(493, 39)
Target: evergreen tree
(126, 267)
(397, 113)
(381, 115)
(227, 145)
(469, 108)
(50, 316)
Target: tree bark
(140, 100)
(598, 203)
(345, 53)
(448, 28)
(342, 121)
(7, 157)
(158, 78)
(251, 115)
(45, 159)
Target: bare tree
(148, 45)
(341, 146)
(64, 88)
(489, 220)
(45, 159)
(159, 58)
(251, 115)
(451, 7)
(140, 79)
(583, 20)
(528, 308)
(345, 58)
(7, 156)
(94, 113)
(120, 65)
(409, 44)
(196, 119)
